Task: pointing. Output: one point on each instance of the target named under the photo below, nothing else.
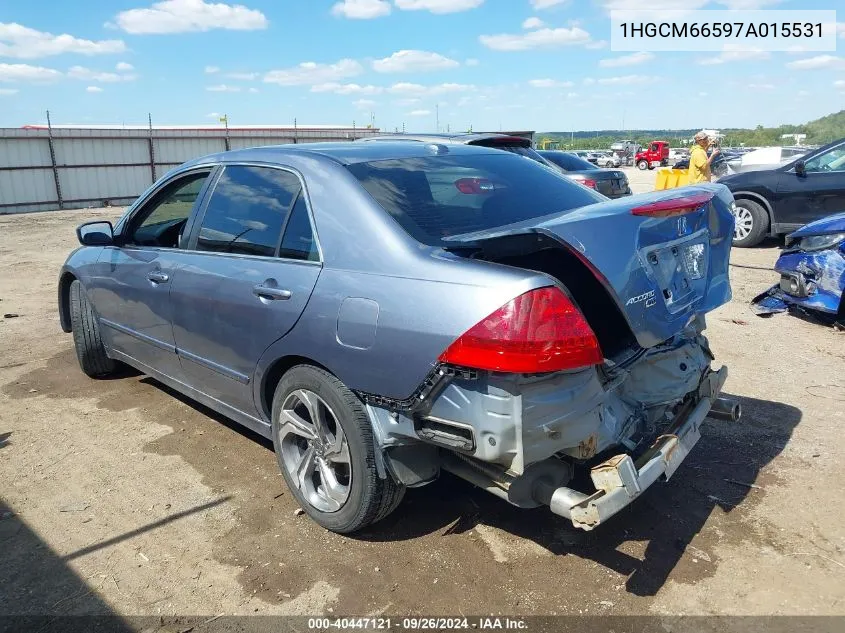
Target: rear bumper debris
(620, 480)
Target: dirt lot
(120, 496)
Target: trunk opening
(538, 252)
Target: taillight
(587, 182)
(474, 185)
(675, 206)
(539, 331)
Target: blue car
(812, 272)
(388, 311)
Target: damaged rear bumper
(620, 480)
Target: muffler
(725, 409)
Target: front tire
(325, 449)
(87, 338)
(751, 223)
(642, 165)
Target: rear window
(568, 162)
(436, 198)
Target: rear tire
(87, 339)
(325, 449)
(642, 165)
(751, 223)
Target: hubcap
(743, 223)
(315, 451)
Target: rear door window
(298, 241)
(247, 210)
(435, 198)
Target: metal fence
(46, 168)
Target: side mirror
(97, 233)
(800, 168)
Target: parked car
(592, 157)
(504, 142)
(611, 183)
(718, 168)
(384, 311)
(773, 202)
(812, 272)
(606, 159)
(656, 154)
(763, 158)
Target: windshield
(433, 198)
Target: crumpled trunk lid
(662, 268)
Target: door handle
(273, 294)
(158, 277)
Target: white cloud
(253, 90)
(595, 45)
(24, 72)
(747, 4)
(549, 83)
(625, 80)
(181, 16)
(545, 4)
(361, 9)
(533, 23)
(210, 70)
(761, 86)
(734, 56)
(471, 62)
(651, 5)
(223, 88)
(839, 83)
(541, 38)
(406, 102)
(22, 42)
(626, 60)
(418, 89)
(347, 89)
(840, 28)
(86, 74)
(242, 76)
(93, 89)
(364, 104)
(213, 115)
(410, 61)
(312, 73)
(5, 92)
(438, 6)
(419, 113)
(124, 67)
(820, 61)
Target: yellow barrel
(663, 176)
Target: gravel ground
(119, 496)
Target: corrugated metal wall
(93, 167)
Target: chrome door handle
(266, 292)
(158, 277)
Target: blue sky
(490, 64)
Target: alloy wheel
(743, 223)
(315, 451)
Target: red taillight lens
(589, 182)
(539, 331)
(675, 206)
(474, 185)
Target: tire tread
(90, 350)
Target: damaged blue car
(812, 273)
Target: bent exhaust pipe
(725, 409)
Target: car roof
(345, 153)
(464, 138)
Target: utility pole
(225, 119)
(295, 132)
(437, 115)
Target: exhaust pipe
(725, 409)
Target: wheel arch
(759, 199)
(273, 374)
(65, 281)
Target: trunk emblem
(648, 297)
(682, 226)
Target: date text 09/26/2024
(418, 624)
